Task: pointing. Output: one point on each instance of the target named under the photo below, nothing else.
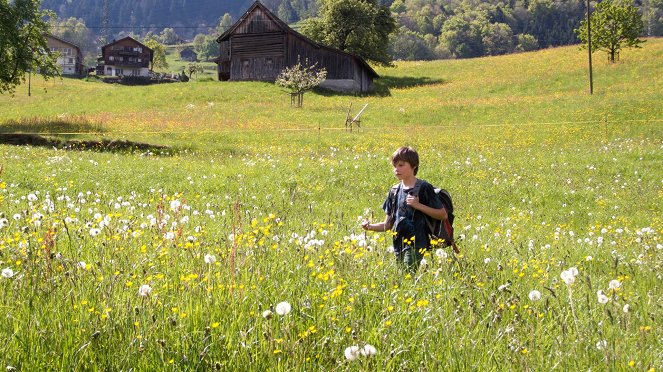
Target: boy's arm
(380, 226)
(438, 214)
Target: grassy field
(176, 65)
(135, 260)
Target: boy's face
(403, 170)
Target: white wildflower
(352, 352)
(368, 350)
(614, 284)
(7, 273)
(601, 345)
(283, 308)
(210, 259)
(144, 290)
(601, 297)
(441, 254)
(568, 277)
(535, 295)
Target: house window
(66, 51)
(54, 49)
(138, 49)
(119, 71)
(139, 60)
(111, 58)
(71, 60)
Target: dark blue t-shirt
(409, 222)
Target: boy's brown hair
(406, 154)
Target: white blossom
(535, 295)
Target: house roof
(125, 38)
(284, 26)
(63, 41)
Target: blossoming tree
(299, 79)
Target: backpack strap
(393, 196)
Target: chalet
(187, 54)
(70, 58)
(124, 57)
(259, 46)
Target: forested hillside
(188, 17)
(427, 29)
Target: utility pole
(589, 48)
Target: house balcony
(126, 64)
(128, 53)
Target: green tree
(462, 34)
(225, 23)
(23, 47)
(526, 43)
(158, 54)
(168, 36)
(409, 45)
(206, 46)
(361, 27)
(614, 25)
(497, 39)
(193, 68)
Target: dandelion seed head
(209, 259)
(7, 273)
(534, 295)
(283, 308)
(368, 350)
(352, 352)
(144, 290)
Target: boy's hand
(413, 201)
(365, 224)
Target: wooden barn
(187, 54)
(259, 46)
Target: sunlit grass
(116, 261)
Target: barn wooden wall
(259, 49)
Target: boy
(406, 212)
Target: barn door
(246, 69)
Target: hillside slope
(544, 87)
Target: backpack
(437, 229)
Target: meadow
(240, 248)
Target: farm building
(70, 58)
(124, 57)
(259, 46)
(187, 54)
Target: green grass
(176, 65)
(544, 178)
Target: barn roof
(284, 26)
